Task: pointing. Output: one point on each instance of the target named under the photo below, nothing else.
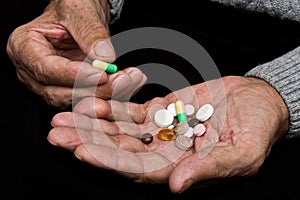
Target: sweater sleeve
(284, 9)
(116, 9)
(282, 73)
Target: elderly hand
(53, 54)
(249, 117)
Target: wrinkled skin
(249, 117)
(53, 53)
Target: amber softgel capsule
(166, 134)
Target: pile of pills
(189, 123)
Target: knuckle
(57, 99)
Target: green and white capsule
(180, 112)
(108, 67)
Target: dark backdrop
(235, 39)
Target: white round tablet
(172, 108)
(171, 126)
(189, 109)
(163, 118)
(189, 132)
(204, 112)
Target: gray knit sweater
(282, 73)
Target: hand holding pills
(184, 131)
(54, 53)
(234, 138)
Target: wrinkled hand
(249, 117)
(53, 52)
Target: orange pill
(166, 134)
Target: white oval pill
(204, 112)
(172, 108)
(163, 118)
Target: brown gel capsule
(193, 122)
(166, 134)
(147, 138)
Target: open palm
(249, 117)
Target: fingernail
(78, 157)
(105, 49)
(187, 184)
(133, 73)
(51, 142)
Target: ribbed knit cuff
(283, 74)
(284, 9)
(116, 9)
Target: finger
(68, 133)
(70, 137)
(134, 90)
(119, 84)
(210, 160)
(126, 86)
(56, 96)
(61, 39)
(62, 97)
(70, 119)
(120, 111)
(130, 117)
(76, 120)
(111, 110)
(66, 137)
(35, 55)
(122, 139)
(59, 96)
(213, 160)
(92, 34)
(65, 134)
(190, 171)
(71, 129)
(136, 166)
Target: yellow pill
(166, 134)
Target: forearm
(283, 74)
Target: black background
(236, 40)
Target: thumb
(103, 50)
(190, 171)
(208, 165)
(92, 35)
(202, 166)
